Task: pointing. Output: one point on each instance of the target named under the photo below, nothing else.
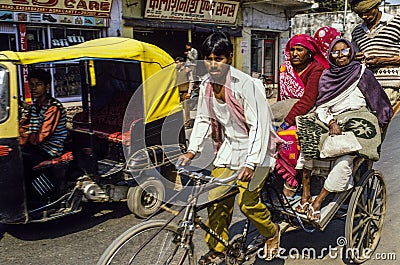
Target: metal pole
(344, 18)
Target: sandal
(271, 247)
(312, 214)
(211, 257)
(302, 208)
(291, 190)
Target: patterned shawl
(337, 79)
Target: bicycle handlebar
(208, 179)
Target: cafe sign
(212, 11)
(96, 8)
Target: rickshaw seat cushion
(108, 118)
(66, 157)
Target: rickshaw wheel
(145, 199)
(365, 217)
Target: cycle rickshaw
(105, 76)
(173, 240)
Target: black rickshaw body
(123, 136)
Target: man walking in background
(191, 58)
(185, 82)
(378, 42)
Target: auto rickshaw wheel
(365, 217)
(146, 198)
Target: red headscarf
(324, 37)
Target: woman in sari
(348, 92)
(299, 77)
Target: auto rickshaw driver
(43, 130)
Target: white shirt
(238, 149)
(356, 100)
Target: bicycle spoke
(163, 248)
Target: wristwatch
(284, 125)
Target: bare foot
(271, 248)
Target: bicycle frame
(370, 184)
(190, 220)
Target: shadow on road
(301, 245)
(91, 215)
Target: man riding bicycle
(232, 107)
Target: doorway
(269, 59)
(7, 42)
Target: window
(4, 94)
(67, 82)
(35, 38)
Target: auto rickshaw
(115, 149)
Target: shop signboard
(24, 48)
(208, 11)
(92, 8)
(47, 18)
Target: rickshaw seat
(66, 157)
(106, 121)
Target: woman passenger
(299, 77)
(346, 86)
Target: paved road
(80, 239)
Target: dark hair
(40, 74)
(354, 2)
(189, 44)
(179, 59)
(217, 43)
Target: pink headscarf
(291, 85)
(324, 37)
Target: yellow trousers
(220, 214)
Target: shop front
(171, 24)
(263, 53)
(8, 35)
(266, 28)
(27, 25)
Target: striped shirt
(383, 41)
(50, 122)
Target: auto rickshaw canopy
(160, 96)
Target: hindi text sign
(214, 11)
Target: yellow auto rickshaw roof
(103, 48)
(159, 100)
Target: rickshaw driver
(43, 130)
(233, 107)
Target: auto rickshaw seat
(107, 120)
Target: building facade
(266, 29)
(27, 25)
(257, 28)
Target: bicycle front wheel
(149, 243)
